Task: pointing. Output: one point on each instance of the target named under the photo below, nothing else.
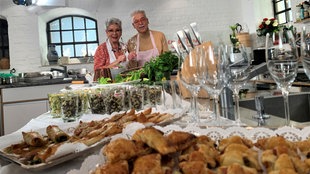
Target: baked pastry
(148, 164)
(120, 167)
(234, 140)
(195, 167)
(236, 169)
(181, 140)
(119, 149)
(34, 139)
(56, 134)
(155, 139)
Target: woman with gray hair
(110, 54)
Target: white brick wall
(27, 35)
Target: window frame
(285, 11)
(74, 43)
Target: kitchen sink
(299, 106)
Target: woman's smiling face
(140, 22)
(114, 32)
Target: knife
(196, 33)
(188, 35)
(183, 41)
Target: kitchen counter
(43, 82)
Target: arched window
(73, 36)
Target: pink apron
(145, 56)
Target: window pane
(91, 35)
(90, 24)
(79, 36)
(281, 18)
(290, 16)
(78, 23)
(80, 50)
(58, 50)
(280, 6)
(66, 23)
(288, 3)
(55, 37)
(67, 36)
(92, 49)
(54, 25)
(68, 50)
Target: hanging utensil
(239, 27)
(188, 35)
(183, 41)
(196, 33)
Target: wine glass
(305, 50)
(282, 63)
(188, 78)
(212, 75)
(239, 66)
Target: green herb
(161, 65)
(104, 80)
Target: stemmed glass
(239, 66)
(282, 63)
(305, 50)
(212, 75)
(188, 78)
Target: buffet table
(87, 161)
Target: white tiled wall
(27, 24)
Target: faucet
(226, 97)
(64, 70)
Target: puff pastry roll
(56, 134)
(33, 139)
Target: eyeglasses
(137, 21)
(114, 31)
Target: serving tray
(65, 152)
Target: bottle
(302, 12)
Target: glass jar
(114, 100)
(69, 107)
(55, 104)
(136, 97)
(96, 99)
(83, 103)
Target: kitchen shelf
(303, 21)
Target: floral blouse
(101, 57)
